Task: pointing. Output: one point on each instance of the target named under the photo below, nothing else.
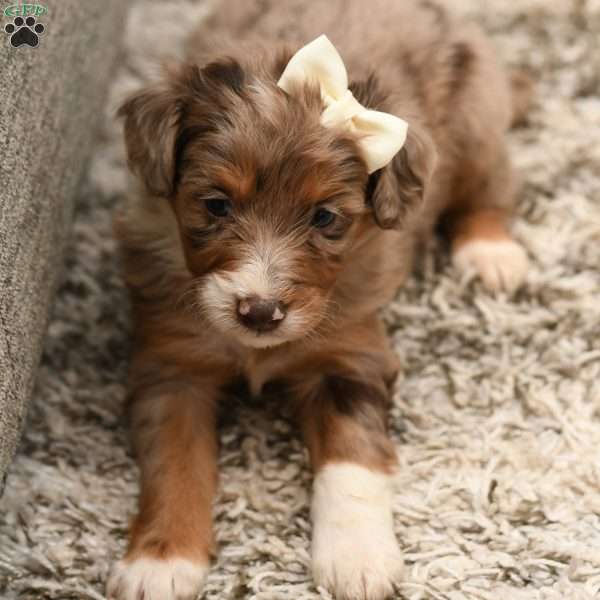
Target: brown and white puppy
(257, 245)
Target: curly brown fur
(223, 230)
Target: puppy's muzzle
(259, 314)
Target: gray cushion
(50, 99)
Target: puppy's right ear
(152, 121)
(155, 129)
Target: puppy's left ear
(400, 186)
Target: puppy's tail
(522, 91)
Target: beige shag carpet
(496, 414)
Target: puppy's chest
(260, 369)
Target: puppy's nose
(260, 314)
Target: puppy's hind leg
(477, 226)
(522, 92)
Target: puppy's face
(266, 222)
(269, 203)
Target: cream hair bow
(379, 135)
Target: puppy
(261, 243)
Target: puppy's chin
(253, 339)
(258, 340)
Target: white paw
(151, 579)
(501, 264)
(355, 554)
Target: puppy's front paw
(501, 264)
(151, 579)
(355, 563)
(355, 554)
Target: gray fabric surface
(50, 99)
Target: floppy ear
(152, 121)
(400, 186)
(156, 131)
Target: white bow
(379, 135)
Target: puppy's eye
(218, 207)
(323, 218)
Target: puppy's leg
(477, 224)
(354, 550)
(482, 244)
(171, 538)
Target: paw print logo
(24, 32)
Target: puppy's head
(269, 203)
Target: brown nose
(260, 314)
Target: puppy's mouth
(258, 318)
(259, 339)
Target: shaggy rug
(496, 414)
